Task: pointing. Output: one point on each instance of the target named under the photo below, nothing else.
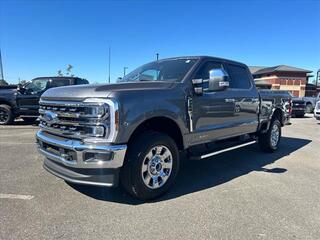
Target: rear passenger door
(245, 97)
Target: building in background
(281, 77)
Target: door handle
(230, 100)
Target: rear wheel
(151, 165)
(309, 108)
(269, 141)
(6, 115)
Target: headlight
(106, 113)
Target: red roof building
(281, 77)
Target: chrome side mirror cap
(218, 80)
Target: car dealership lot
(243, 194)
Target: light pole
(124, 70)
(109, 63)
(157, 56)
(1, 69)
(318, 77)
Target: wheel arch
(160, 124)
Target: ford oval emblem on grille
(50, 117)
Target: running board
(223, 150)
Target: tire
(142, 167)
(265, 139)
(309, 108)
(29, 120)
(6, 115)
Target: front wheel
(6, 115)
(269, 141)
(151, 165)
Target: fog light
(97, 157)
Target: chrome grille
(74, 119)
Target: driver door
(213, 113)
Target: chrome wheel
(157, 167)
(275, 134)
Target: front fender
(134, 112)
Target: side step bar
(223, 150)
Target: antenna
(109, 63)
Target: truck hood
(80, 92)
(7, 91)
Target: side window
(203, 72)
(81, 81)
(59, 82)
(239, 77)
(36, 86)
(151, 74)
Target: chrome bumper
(74, 161)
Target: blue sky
(37, 38)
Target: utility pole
(1, 68)
(124, 70)
(157, 56)
(109, 63)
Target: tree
(60, 74)
(3, 82)
(23, 82)
(67, 72)
(69, 68)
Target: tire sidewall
(275, 122)
(138, 185)
(10, 116)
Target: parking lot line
(15, 196)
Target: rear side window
(60, 82)
(239, 77)
(81, 81)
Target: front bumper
(317, 114)
(73, 161)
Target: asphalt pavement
(242, 194)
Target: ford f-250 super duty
(135, 131)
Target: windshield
(36, 85)
(166, 70)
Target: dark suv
(23, 101)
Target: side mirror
(21, 88)
(218, 81)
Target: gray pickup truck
(137, 130)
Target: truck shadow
(195, 176)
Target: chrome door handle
(230, 100)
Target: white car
(317, 111)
